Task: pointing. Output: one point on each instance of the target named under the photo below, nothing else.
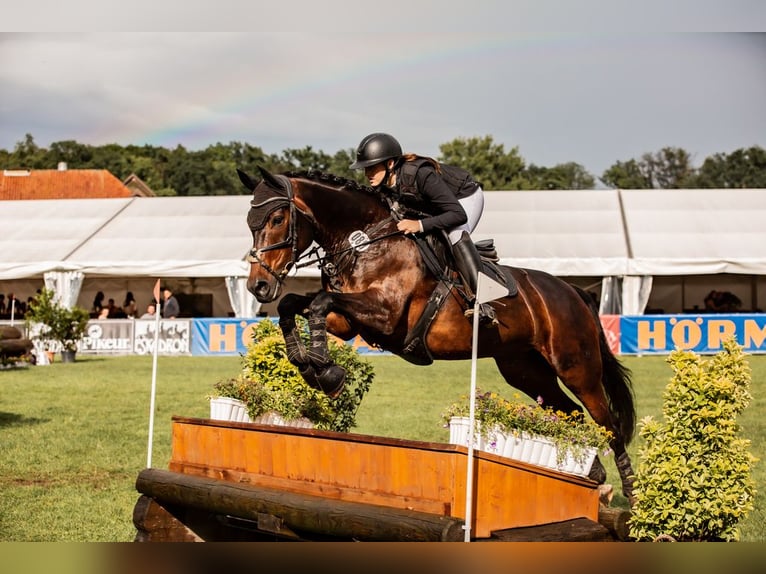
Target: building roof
(61, 184)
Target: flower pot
(571, 466)
(460, 430)
(494, 441)
(273, 418)
(221, 408)
(542, 451)
(68, 356)
(514, 445)
(239, 413)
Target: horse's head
(278, 239)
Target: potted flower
(271, 390)
(58, 324)
(531, 433)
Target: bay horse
(375, 283)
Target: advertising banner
(175, 337)
(108, 337)
(611, 326)
(231, 336)
(704, 334)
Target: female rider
(448, 195)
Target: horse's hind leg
(536, 378)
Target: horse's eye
(278, 220)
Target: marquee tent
(661, 248)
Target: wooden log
(616, 521)
(299, 512)
(576, 530)
(155, 524)
(10, 332)
(15, 347)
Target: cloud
(593, 98)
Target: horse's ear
(246, 180)
(270, 179)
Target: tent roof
(564, 232)
(696, 231)
(567, 233)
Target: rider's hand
(409, 226)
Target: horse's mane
(334, 180)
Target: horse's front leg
(288, 308)
(313, 364)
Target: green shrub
(693, 480)
(269, 382)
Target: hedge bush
(269, 382)
(693, 481)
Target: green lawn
(74, 436)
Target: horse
(376, 283)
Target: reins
(312, 256)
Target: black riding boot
(468, 263)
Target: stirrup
(487, 316)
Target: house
(63, 183)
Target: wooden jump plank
(347, 520)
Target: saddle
(435, 252)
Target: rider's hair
(414, 156)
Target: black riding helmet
(376, 148)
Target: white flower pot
(221, 408)
(459, 431)
(494, 442)
(273, 418)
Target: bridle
(291, 241)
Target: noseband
(291, 241)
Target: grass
(74, 436)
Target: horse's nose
(259, 288)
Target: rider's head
(376, 154)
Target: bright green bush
(269, 382)
(693, 481)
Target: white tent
(630, 246)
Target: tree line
(212, 171)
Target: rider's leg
(468, 262)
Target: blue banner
(704, 334)
(222, 336)
(231, 336)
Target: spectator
(98, 304)
(129, 306)
(151, 309)
(171, 308)
(104, 313)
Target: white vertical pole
(487, 289)
(154, 373)
(472, 418)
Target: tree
(569, 175)
(27, 155)
(670, 168)
(486, 161)
(741, 168)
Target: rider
(449, 196)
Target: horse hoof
(331, 380)
(309, 375)
(597, 472)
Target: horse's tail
(616, 378)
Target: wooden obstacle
(245, 481)
(13, 345)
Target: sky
(590, 82)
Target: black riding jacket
(420, 187)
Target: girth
(415, 349)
